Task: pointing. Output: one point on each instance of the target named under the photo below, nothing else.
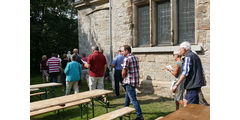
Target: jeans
(53, 77)
(131, 95)
(117, 79)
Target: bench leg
(107, 103)
(87, 110)
(92, 108)
(81, 111)
(58, 113)
(46, 93)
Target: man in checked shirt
(130, 75)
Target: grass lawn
(152, 106)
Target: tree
(53, 29)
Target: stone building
(154, 29)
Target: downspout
(110, 28)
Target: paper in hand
(169, 67)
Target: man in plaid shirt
(130, 75)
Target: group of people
(73, 68)
(188, 72)
(189, 76)
(67, 70)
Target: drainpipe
(110, 26)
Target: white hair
(186, 45)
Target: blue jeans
(131, 95)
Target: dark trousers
(117, 79)
(53, 76)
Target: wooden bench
(34, 89)
(54, 108)
(115, 114)
(39, 93)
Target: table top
(67, 99)
(43, 85)
(190, 112)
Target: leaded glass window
(163, 23)
(143, 25)
(186, 21)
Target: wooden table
(190, 112)
(67, 99)
(44, 85)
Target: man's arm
(124, 72)
(105, 68)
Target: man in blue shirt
(117, 64)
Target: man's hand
(174, 88)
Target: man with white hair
(97, 65)
(192, 72)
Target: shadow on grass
(141, 102)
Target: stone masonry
(93, 20)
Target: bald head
(75, 51)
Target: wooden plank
(115, 114)
(67, 99)
(39, 93)
(34, 89)
(54, 108)
(45, 85)
(190, 112)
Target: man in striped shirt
(130, 75)
(53, 64)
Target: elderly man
(78, 59)
(97, 65)
(130, 75)
(193, 72)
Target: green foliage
(53, 29)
